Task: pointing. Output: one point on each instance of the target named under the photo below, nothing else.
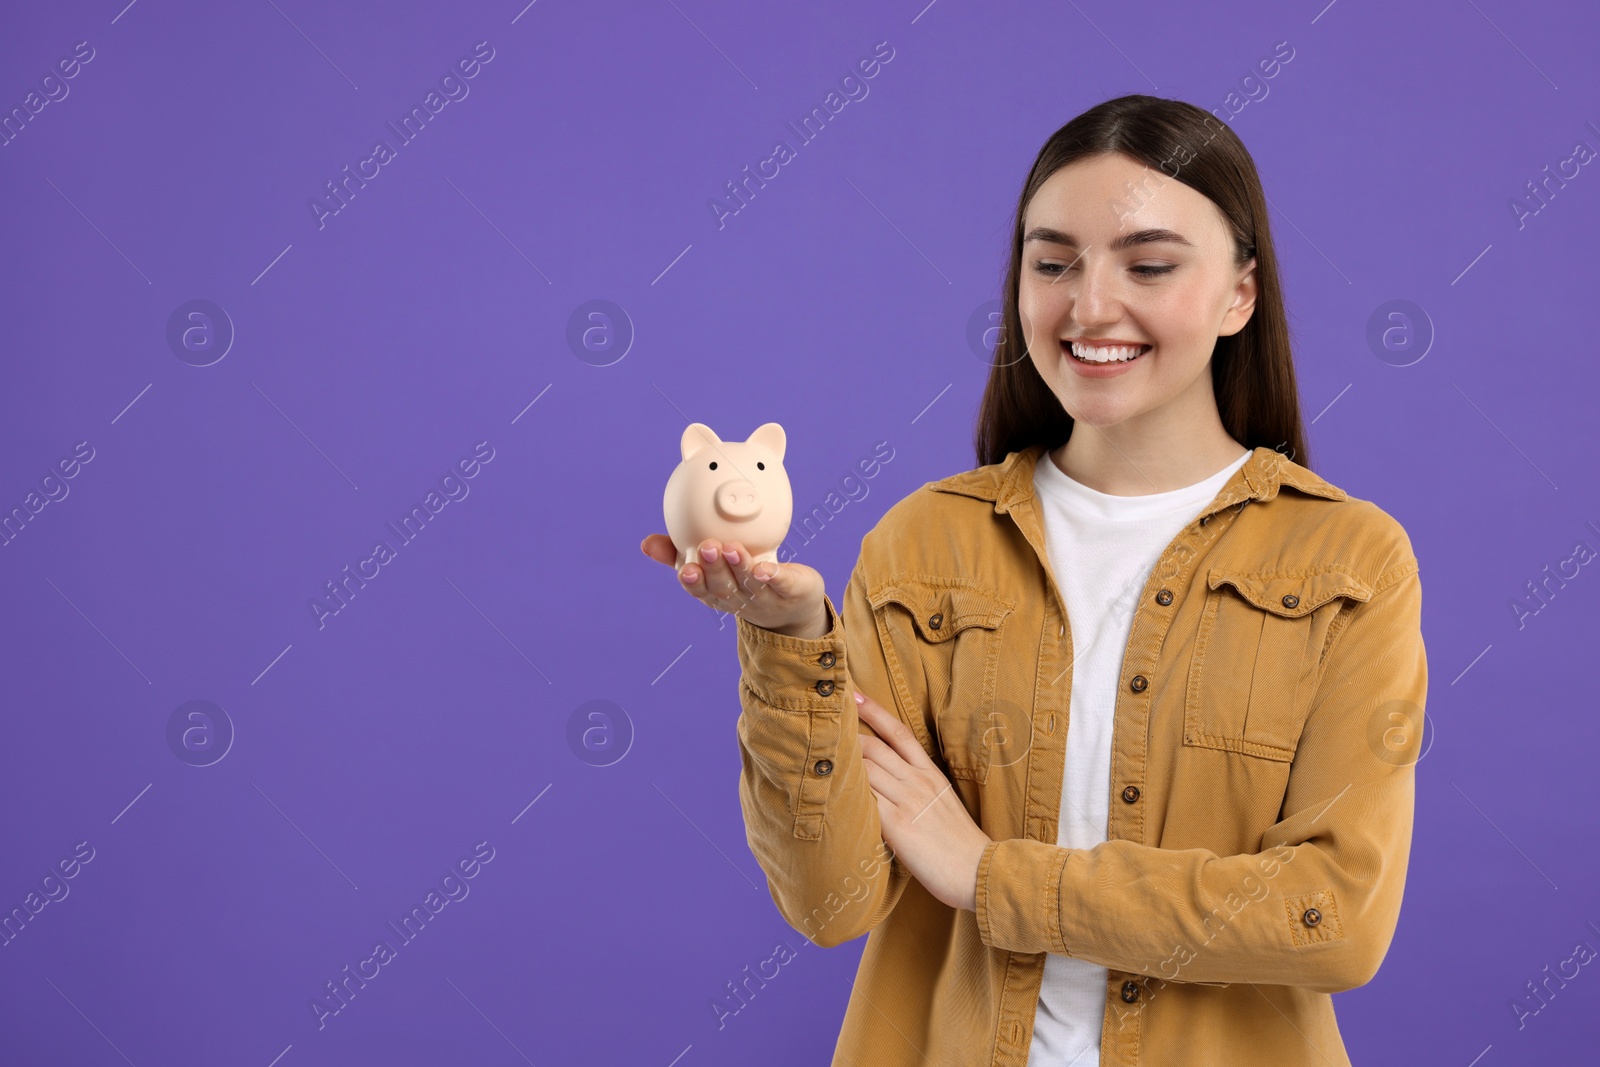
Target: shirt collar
(1010, 482)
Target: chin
(1098, 413)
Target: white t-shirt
(1102, 549)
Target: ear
(1244, 301)
(696, 437)
(771, 435)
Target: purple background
(435, 710)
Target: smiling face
(1116, 251)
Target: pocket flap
(940, 611)
(1291, 595)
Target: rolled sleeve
(1019, 880)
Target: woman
(1111, 749)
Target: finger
(744, 589)
(783, 579)
(884, 756)
(693, 579)
(881, 782)
(716, 584)
(718, 579)
(745, 586)
(660, 548)
(742, 566)
(890, 728)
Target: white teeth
(1113, 354)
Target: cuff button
(823, 766)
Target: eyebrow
(1127, 240)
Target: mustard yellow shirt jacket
(1267, 723)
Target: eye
(713, 464)
(1052, 270)
(761, 466)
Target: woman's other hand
(923, 819)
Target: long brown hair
(1252, 371)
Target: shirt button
(936, 620)
(826, 659)
(1205, 519)
(825, 688)
(1312, 917)
(1130, 991)
(823, 766)
(1164, 597)
(1139, 684)
(1290, 601)
(1130, 794)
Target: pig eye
(761, 466)
(713, 464)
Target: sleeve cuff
(794, 673)
(1019, 895)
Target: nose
(738, 501)
(1093, 303)
(1094, 300)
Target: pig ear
(696, 437)
(770, 435)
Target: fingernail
(859, 697)
(730, 555)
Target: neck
(1126, 465)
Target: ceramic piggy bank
(730, 491)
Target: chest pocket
(941, 643)
(1258, 656)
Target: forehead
(1096, 199)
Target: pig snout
(738, 501)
